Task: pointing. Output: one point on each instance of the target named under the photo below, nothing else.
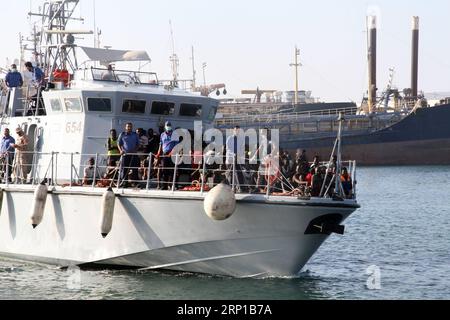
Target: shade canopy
(106, 56)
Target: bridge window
(163, 108)
(212, 114)
(73, 104)
(56, 105)
(99, 104)
(134, 106)
(190, 110)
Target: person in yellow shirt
(113, 146)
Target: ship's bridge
(111, 76)
(78, 117)
(131, 96)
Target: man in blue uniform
(14, 78)
(128, 144)
(7, 154)
(166, 147)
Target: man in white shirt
(108, 75)
(90, 172)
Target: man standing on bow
(128, 147)
(166, 147)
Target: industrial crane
(208, 89)
(259, 93)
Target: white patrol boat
(48, 217)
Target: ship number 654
(73, 127)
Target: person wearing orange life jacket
(347, 183)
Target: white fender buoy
(38, 207)
(108, 203)
(220, 202)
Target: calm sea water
(402, 230)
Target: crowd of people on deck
(137, 157)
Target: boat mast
(34, 40)
(194, 73)
(22, 52)
(56, 48)
(296, 65)
(338, 186)
(96, 42)
(175, 62)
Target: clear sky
(248, 43)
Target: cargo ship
(392, 128)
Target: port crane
(259, 93)
(208, 89)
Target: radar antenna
(56, 44)
(174, 60)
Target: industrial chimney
(415, 58)
(372, 56)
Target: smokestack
(372, 63)
(415, 58)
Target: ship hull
(163, 231)
(422, 138)
(412, 153)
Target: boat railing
(184, 85)
(190, 172)
(315, 124)
(230, 120)
(125, 76)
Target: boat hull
(166, 231)
(412, 153)
(422, 138)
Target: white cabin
(76, 118)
